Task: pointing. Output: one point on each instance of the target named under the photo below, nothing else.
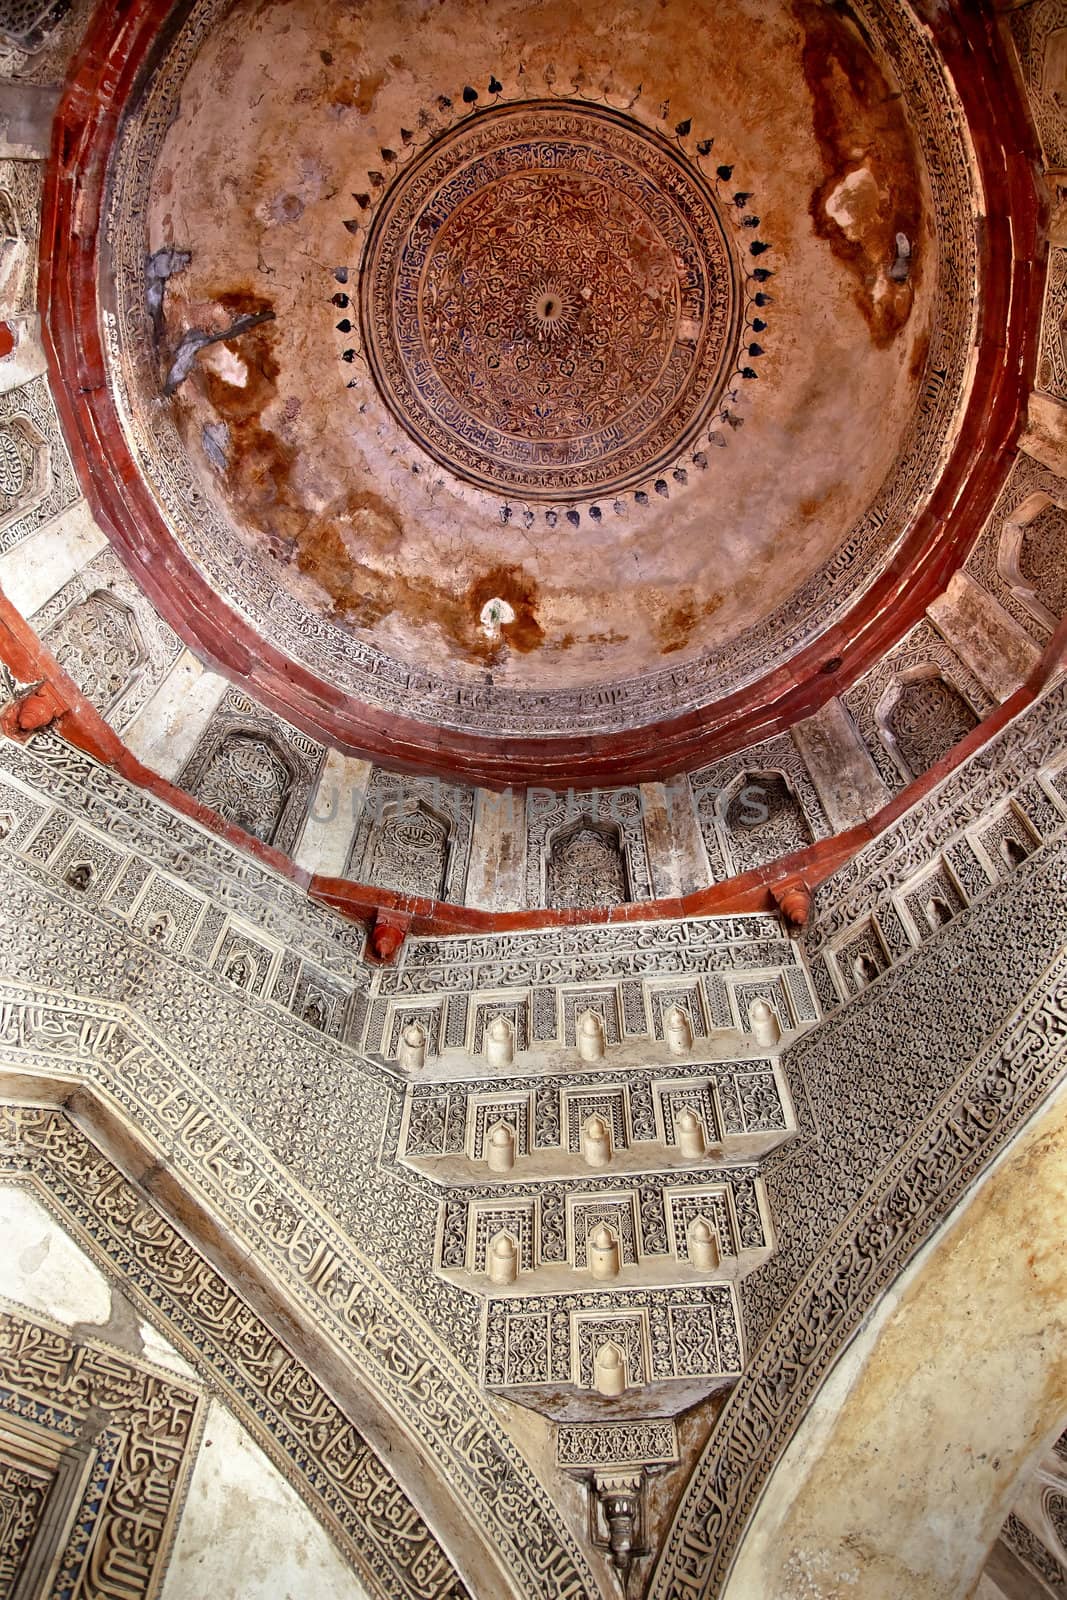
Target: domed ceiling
(539, 371)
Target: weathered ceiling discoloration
(284, 117)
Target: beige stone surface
(676, 856)
(904, 1469)
(42, 1268)
(331, 822)
(245, 1534)
(32, 571)
(495, 875)
(1045, 434)
(984, 636)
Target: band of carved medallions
(274, 1396)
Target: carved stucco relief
(898, 1045)
(105, 632)
(36, 477)
(1023, 535)
(1040, 35)
(92, 1438)
(413, 835)
(915, 705)
(757, 805)
(255, 770)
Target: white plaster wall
(164, 731)
(32, 571)
(43, 1269)
(245, 1534)
(902, 1472)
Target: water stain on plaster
(339, 545)
(336, 529)
(674, 627)
(358, 94)
(815, 504)
(871, 192)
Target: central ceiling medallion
(550, 304)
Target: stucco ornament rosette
(549, 303)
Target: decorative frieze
(743, 1106)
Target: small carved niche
(762, 819)
(586, 865)
(409, 849)
(923, 718)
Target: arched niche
(248, 777)
(99, 643)
(1032, 557)
(585, 865)
(409, 849)
(921, 716)
(759, 817)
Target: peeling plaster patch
(496, 614)
(872, 196)
(228, 364)
(854, 203)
